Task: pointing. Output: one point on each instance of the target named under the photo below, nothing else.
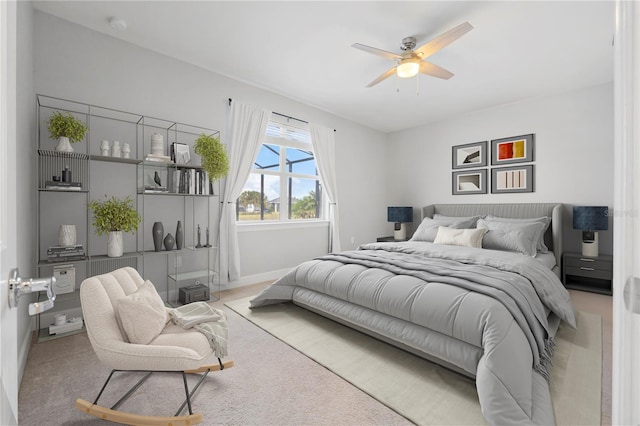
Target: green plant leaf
(114, 215)
(60, 124)
(213, 155)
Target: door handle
(19, 286)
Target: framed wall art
(517, 149)
(470, 155)
(512, 179)
(469, 182)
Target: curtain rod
(283, 115)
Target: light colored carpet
(422, 391)
(271, 384)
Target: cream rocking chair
(174, 349)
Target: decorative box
(193, 293)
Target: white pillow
(460, 237)
(428, 228)
(508, 236)
(542, 248)
(142, 314)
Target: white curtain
(246, 129)
(626, 250)
(323, 141)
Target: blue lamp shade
(400, 214)
(591, 218)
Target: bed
(476, 289)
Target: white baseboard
(23, 351)
(254, 279)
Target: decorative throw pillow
(428, 228)
(507, 236)
(142, 314)
(460, 237)
(542, 248)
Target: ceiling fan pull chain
(418, 85)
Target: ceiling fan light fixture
(408, 67)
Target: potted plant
(66, 129)
(114, 216)
(213, 156)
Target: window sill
(272, 226)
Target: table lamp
(399, 216)
(590, 219)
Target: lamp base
(590, 246)
(400, 231)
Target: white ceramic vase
(67, 235)
(105, 148)
(114, 245)
(157, 144)
(115, 149)
(64, 145)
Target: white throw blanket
(207, 320)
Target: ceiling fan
(412, 61)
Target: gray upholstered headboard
(552, 238)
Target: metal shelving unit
(100, 175)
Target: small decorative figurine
(207, 233)
(126, 149)
(199, 245)
(105, 148)
(115, 149)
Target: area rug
(421, 391)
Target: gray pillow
(511, 236)
(541, 247)
(428, 228)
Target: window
(283, 184)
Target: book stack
(63, 186)
(154, 158)
(65, 253)
(190, 181)
(151, 189)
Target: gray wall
(573, 154)
(75, 63)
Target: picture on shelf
(180, 153)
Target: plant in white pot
(114, 216)
(66, 129)
(213, 156)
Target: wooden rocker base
(114, 415)
(212, 367)
(135, 419)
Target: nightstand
(592, 274)
(388, 240)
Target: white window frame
(284, 176)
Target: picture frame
(509, 180)
(180, 153)
(471, 155)
(469, 182)
(516, 149)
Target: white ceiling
(302, 49)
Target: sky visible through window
(268, 159)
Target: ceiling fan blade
(376, 51)
(444, 39)
(384, 76)
(434, 70)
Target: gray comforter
(482, 311)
